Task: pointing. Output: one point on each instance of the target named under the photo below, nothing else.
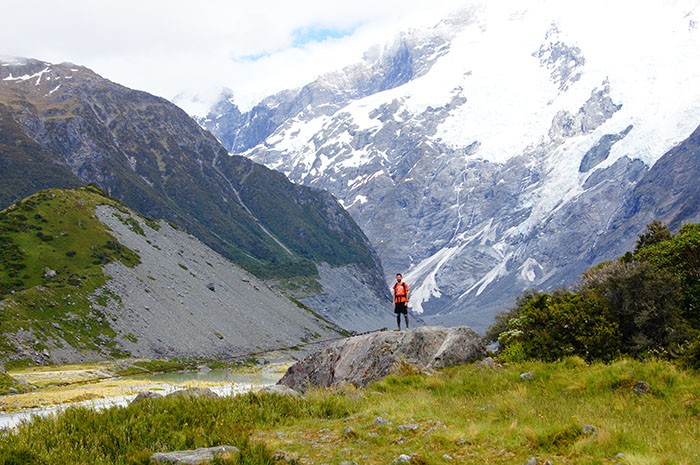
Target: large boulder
(360, 360)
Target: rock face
(363, 359)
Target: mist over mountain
(510, 146)
(64, 125)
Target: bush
(691, 356)
(680, 256)
(645, 303)
(553, 326)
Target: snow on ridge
(498, 271)
(54, 89)
(359, 199)
(297, 134)
(27, 77)
(359, 111)
(426, 273)
(529, 270)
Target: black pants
(400, 308)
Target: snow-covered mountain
(496, 150)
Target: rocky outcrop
(363, 359)
(192, 457)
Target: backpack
(400, 296)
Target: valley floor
(569, 412)
(105, 384)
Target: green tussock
(9, 385)
(568, 412)
(53, 250)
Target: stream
(223, 382)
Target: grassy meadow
(566, 412)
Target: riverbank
(104, 384)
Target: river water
(223, 382)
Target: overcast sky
(193, 49)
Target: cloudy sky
(187, 51)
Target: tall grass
(567, 412)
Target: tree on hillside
(680, 256)
(551, 326)
(656, 232)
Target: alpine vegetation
(643, 304)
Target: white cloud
(193, 49)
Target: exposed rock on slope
(19, 153)
(185, 300)
(83, 278)
(363, 359)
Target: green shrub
(691, 356)
(646, 303)
(552, 326)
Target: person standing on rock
(400, 297)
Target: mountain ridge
(149, 154)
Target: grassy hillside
(52, 250)
(562, 413)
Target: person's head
(399, 277)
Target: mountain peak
(486, 154)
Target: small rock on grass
(280, 390)
(145, 395)
(194, 392)
(194, 457)
(642, 387)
